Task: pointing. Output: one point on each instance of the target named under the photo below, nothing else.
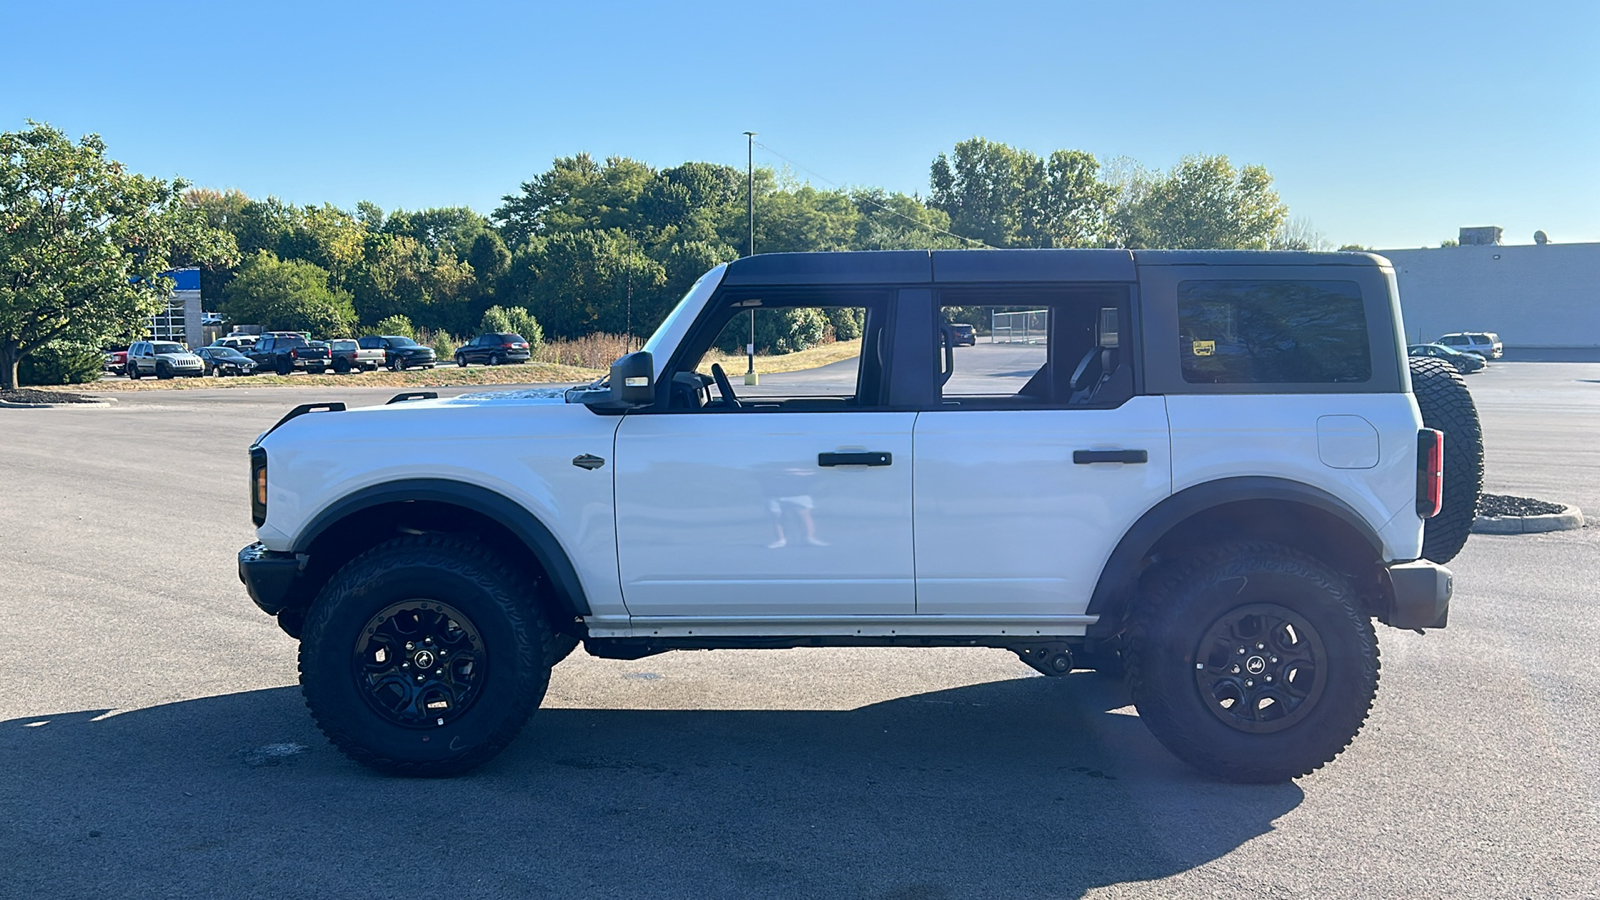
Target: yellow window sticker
(1205, 348)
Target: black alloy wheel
(425, 656)
(420, 663)
(1251, 662)
(1257, 667)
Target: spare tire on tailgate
(1447, 406)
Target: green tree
(445, 229)
(515, 320)
(590, 281)
(83, 243)
(489, 259)
(288, 295)
(894, 221)
(1006, 197)
(399, 276)
(575, 194)
(395, 325)
(1203, 203)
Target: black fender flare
(1122, 568)
(513, 515)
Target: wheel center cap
(1255, 665)
(423, 659)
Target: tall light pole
(750, 376)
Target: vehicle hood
(484, 415)
(179, 357)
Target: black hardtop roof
(972, 266)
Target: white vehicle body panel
(521, 449)
(730, 514)
(1277, 435)
(1008, 524)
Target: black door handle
(1084, 457)
(867, 458)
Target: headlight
(258, 486)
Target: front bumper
(1419, 595)
(269, 576)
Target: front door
(784, 499)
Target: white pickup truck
(349, 356)
(1209, 469)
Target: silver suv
(1484, 343)
(163, 359)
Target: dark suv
(283, 352)
(495, 348)
(399, 352)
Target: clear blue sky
(1386, 124)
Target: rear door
(1037, 455)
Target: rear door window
(1273, 332)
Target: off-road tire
(518, 643)
(1176, 611)
(1447, 405)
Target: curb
(1569, 518)
(98, 401)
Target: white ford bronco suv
(1208, 471)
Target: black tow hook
(1052, 659)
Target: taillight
(258, 485)
(1430, 472)
(508, 346)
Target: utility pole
(750, 376)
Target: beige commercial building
(1532, 295)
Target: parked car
(965, 335)
(349, 356)
(116, 361)
(225, 361)
(400, 353)
(163, 359)
(1484, 343)
(211, 318)
(285, 351)
(1465, 363)
(495, 348)
(239, 342)
(1228, 524)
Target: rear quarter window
(1273, 332)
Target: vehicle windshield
(678, 321)
(402, 342)
(159, 349)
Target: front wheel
(424, 656)
(163, 371)
(461, 361)
(1252, 662)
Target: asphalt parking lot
(155, 744)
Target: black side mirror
(631, 385)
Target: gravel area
(1505, 505)
(34, 395)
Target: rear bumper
(269, 576)
(1419, 596)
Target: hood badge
(588, 461)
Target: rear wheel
(424, 656)
(1447, 405)
(341, 366)
(499, 359)
(133, 371)
(1252, 662)
(283, 366)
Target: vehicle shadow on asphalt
(1028, 786)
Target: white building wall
(1531, 295)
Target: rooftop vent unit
(1483, 235)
